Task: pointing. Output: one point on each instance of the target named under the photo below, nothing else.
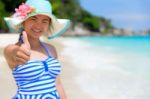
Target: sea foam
(104, 73)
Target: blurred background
(103, 17)
(105, 54)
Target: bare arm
(59, 85)
(9, 54)
(60, 88)
(16, 55)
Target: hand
(22, 54)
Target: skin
(18, 54)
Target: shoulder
(51, 49)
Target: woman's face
(37, 25)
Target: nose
(37, 25)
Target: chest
(38, 55)
(35, 69)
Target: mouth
(37, 31)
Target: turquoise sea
(111, 67)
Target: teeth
(35, 30)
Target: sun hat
(35, 7)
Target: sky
(127, 14)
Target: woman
(34, 63)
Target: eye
(45, 21)
(33, 18)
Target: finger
(26, 45)
(20, 61)
(22, 55)
(25, 40)
(24, 50)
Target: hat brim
(57, 27)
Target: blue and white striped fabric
(36, 79)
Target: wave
(105, 73)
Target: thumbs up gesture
(22, 53)
(25, 44)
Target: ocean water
(111, 67)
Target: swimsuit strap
(46, 49)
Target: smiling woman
(34, 63)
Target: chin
(37, 34)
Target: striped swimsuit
(36, 79)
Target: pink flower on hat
(23, 10)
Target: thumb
(25, 40)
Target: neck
(34, 43)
